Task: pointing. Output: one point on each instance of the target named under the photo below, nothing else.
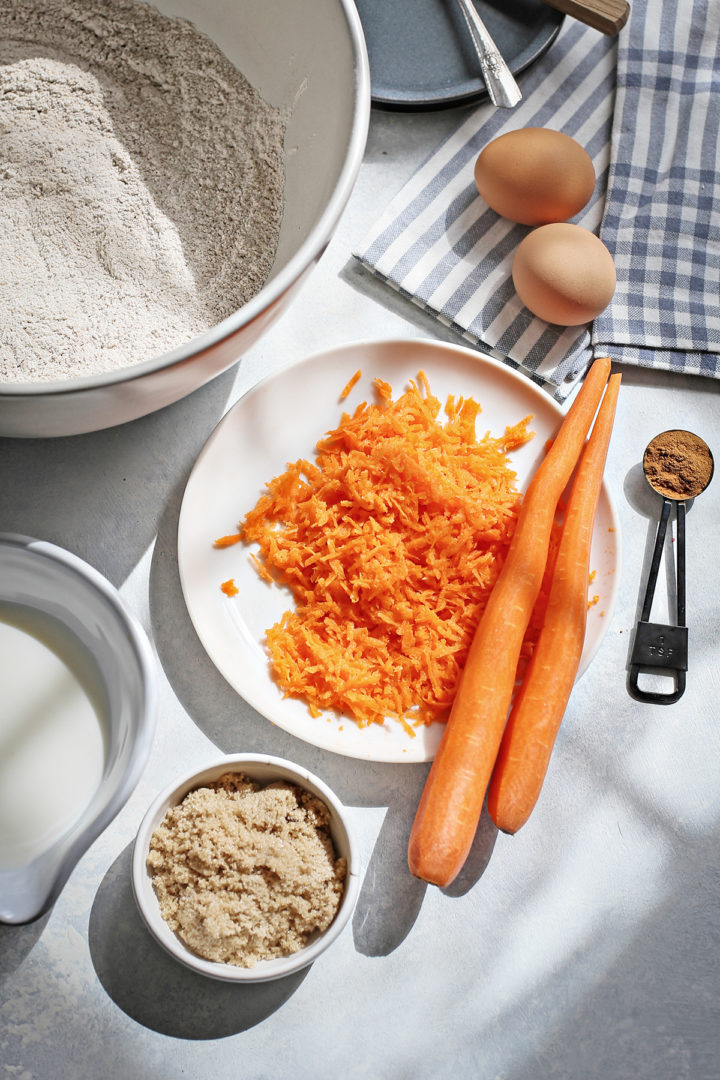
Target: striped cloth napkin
(662, 213)
(644, 108)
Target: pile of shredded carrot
(390, 541)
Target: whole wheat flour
(245, 873)
(141, 186)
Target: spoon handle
(660, 647)
(655, 563)
(609, 16)
(501, 86)
(680, 562)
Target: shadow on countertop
(155, 990)
(101, 495)
(17, 942)
(390, 897)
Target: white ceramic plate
(280, 420)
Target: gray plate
(421, 54)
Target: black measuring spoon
(678, 465)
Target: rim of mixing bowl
(315, 242)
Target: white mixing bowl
(305, 57)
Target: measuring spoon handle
(680, 562)
(657, 555)
(658, 646)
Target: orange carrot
(452, 800)
(228, 541)
(539, 707)
(350, 383)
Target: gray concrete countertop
(587, 946)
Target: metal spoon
(501, 86)
(659, 647)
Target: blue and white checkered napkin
(653, 143)
(662, 215)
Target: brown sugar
(245, 873)
(678, 464)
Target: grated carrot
(350, 383)
(390, 541)
(228, 541)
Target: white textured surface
(587, 946)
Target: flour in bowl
(141, 186)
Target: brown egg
(564, 274)
(535, 176)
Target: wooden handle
(609, 16)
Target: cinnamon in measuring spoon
(678, 464)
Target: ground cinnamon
(678, 464)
